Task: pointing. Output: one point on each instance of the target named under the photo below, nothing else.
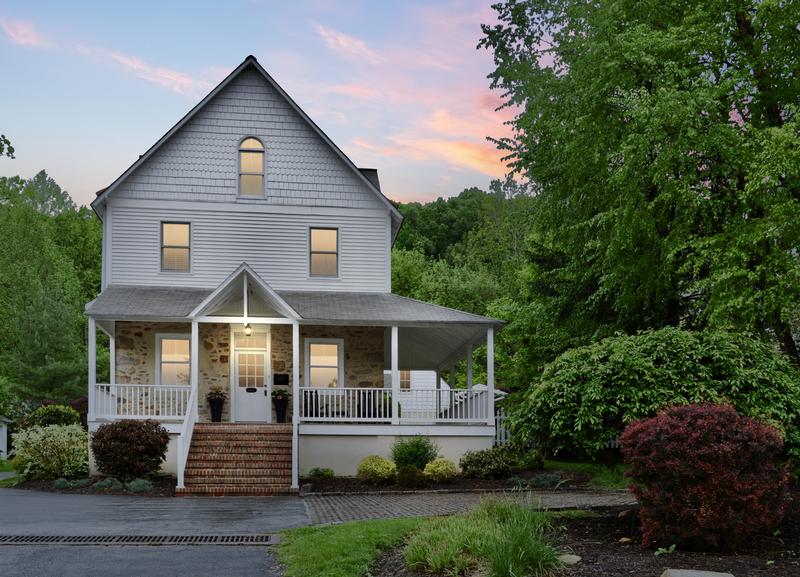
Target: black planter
(280, 408)
(216, 409)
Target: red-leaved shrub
(706, 476)
(128, 449)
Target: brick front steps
(239, 459)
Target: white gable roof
(251, 66)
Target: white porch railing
(374, 405)
(185, 437)
(163, 402)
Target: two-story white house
(246, 251)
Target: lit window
(251, 168)
(173, 360)
(175, 246)
(405, 379)
(324, 257)
(324, 363)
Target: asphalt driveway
(39, 513)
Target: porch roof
(124, 302)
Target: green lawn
(5, 466)
(607, 477)
(345, 550)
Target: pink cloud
(24, 34)
(348, 46)
(173, 80)
(353, 90)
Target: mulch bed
(569, 481)
(596, 541)
(162, 487)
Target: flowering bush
(440, 470)
(128, 449)
(491, 463)
(51, 452)
(376, 470)
(706, 477)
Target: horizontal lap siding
(275, 245)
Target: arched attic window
(251, 168)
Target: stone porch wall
(136, 362)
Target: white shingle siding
(274, 241)
(200, 161)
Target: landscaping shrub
(491, 463)
(705, 476)
(410, 476)
(320, 473)
(139, 486)
(586, 396)
(128, 449)
(51, 452)
(440, 470)
(52, 415)
(416, 452)
(109, 483)
(501, 538)
(63, 483)
(376, 470)
(529, 460)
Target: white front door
(251, 384)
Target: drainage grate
(137, 539)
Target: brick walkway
(339, 508)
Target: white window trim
(311, 274)
(159, 338)
(262, 174)
(161, 247)
(307, 360)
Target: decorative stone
(693, 573)
(223, 359)
(625, 540)
(570, 559)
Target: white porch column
(395, 378)
(194, 362)
(295, 403)
(112, 354)
(469, 366)
(92, 366)
(490, 375)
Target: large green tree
(662, 141)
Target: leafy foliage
(376, 470)
(51, 452)
(500, 537)
(52, 415)
(410, 476)
(321, 473)
(587, 396)
(491, 463)
(128, 448)
(110, 484)
(706, 476)
(440, 470)
(5, 147)
(414, 452)
(139, 486)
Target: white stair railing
(185, 437)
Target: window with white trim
(173, 359)
(324, 363)
(324, 252)
(175, 246)
(405, 379)
(251, 168)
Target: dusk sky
(399, 86)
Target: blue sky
(399, 86)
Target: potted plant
(216, 398)
(280, 400)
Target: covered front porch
(338, 355)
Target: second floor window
(324, 257)
(175, 247)
(251, 168)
